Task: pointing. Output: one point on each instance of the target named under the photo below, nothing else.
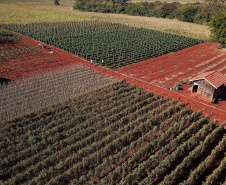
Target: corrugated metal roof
(215, 78)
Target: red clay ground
(20, 59)
(165, 71)
(178, 65)
(168, 69)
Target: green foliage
(196, 12)
(166, 9)
(213, 100)
(32, 139)
(127, 137)
(118, 45)
(218, 25)
(177, 85)
(188, 14)
(56, 2)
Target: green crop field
(117, 134)
(110, 44)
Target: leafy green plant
(218, 25)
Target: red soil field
(158, 73)
(22, 59)
(166, 70)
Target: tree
(56, 2)
(218, 24)
(209, 8)
(166, 9)
(189, 13)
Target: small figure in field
(44, 46)
(178, 98)
(93, 62)
(102, 61)
(51, 52)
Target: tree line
(211, 12)
(191, 12)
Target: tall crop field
(110, 44)
(118, 134)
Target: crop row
(32, 143)
(136, 150)
(183, 152)
(110, 44)
(114, 134)
(30, 94)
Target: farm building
(210, 84)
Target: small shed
(210, 84)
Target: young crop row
(110, 44)
(114, 134)
(28, 94)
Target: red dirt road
(199, 58)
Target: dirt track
(216, 111)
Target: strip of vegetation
(190, 12)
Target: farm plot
(18, 58)
(110, 44)
(45, 88)
(166, 70)
(115, 134)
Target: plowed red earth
(161, 72)
(166, 70)
(23, 59)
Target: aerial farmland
(93, 96)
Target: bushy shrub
(166, 9)
(218, 24)
(188, 14)
(56, 2)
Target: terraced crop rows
(117, 134)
